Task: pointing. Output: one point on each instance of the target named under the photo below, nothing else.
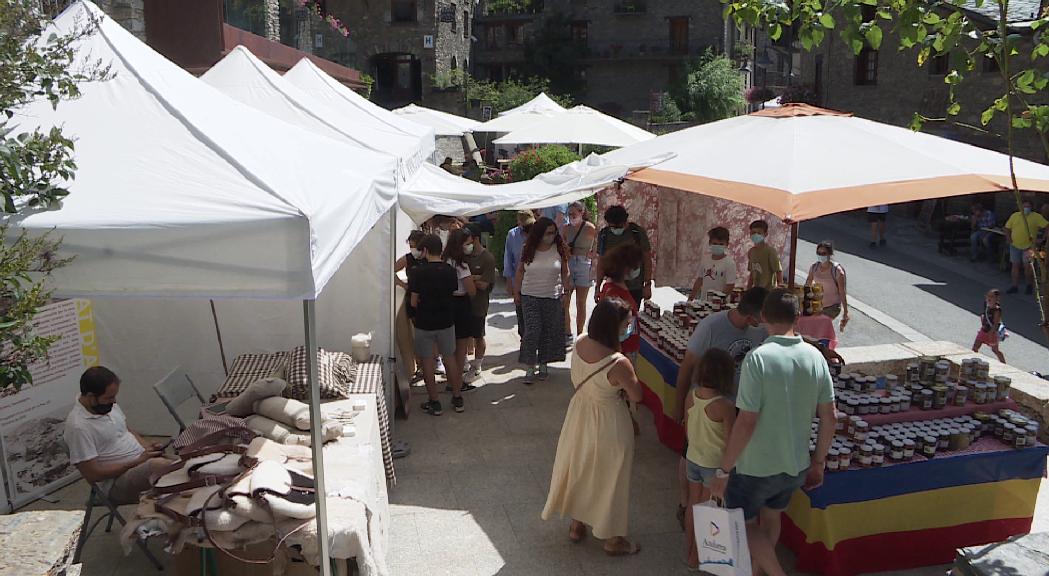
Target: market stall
(928, 450)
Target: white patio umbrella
(443, 123)
(579, 125)
(541, 103)
(822, 162)
(513, 122)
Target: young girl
(989, 323)
(709, 416)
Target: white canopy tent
(184, 193)
(443, 123)
(579, 125)
(366, 115)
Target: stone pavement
(469, 496)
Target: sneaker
(457, 404)
(569, 339)
(440, 367)
(543, 373)
(881, 242)
(1012, 290)
(873, 244)
(466, 387)
(1029, 290)
(433, 407)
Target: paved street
(939, 297)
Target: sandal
(623, 547)
(577, 535)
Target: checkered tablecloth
(369, 380)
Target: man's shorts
(877, 216)
(475, 328)
(443, 340)
(1018, 256)
(752, 493)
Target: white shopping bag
(721, 540)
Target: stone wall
(903, 88)
(128, 13)
(628, 54)
(374, 32)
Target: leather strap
(596, 372)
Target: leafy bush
(503, 96)
(668, 111)
(711, 89)
(799, 94)
(531, 163)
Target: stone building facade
(629, 51)
(409, 46)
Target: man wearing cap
(101, 446)
(515, 240)
(482, 268)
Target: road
(910, 291)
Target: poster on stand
(32, 418)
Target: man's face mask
(101, 408)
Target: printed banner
(32, 419)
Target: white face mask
(416, 253)
(634, 274)
(468, 249)
(618, 231)
(823, 259)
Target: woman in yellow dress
(595, 453)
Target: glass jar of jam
(866, 455)
(844, 458)
(1020, 439)
(886, 405)
(961, 395)
(832, 460)
(897, 450)
(943, 438)
(929, 444)
(878, 458)
(1009, 433)
(861, 431)
(1002, 385)
(927, 399)
(908, 448)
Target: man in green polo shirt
(783, 384)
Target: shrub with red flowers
(318, 9)
(759, 94)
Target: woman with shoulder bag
(832, 276)
(581, 235)
(595, 452)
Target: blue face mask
(757, 238)
(623, 337)
(634, 274)
(1027, 211)
(718, 249)
(823, 259)
(618, 231)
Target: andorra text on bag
(721, 539)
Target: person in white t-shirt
(101, 446)
(717, 270)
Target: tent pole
(218, 334)
(391, 378)
(793, 254)
(317, 437)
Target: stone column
(272, 19)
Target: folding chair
(97, 498)
(174, 390)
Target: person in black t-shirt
(431, 286)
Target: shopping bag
(721, 540)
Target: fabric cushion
(286, 411)
(244, 404)
(248, 368)
(336, 372)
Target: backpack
(602, 236)
(836, 273)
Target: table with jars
(666, 323)
(923, 462)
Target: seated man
(980, 239)
(119, 461)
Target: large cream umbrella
(443, 123)
(814, 162)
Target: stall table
(898, 516)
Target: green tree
(503, 96)
(711, 89)
(965, 33)
(35, 167)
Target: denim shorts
(579, 268)
(699, 474)
(1018, 256)
(752, 493)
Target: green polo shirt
(783, 380)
